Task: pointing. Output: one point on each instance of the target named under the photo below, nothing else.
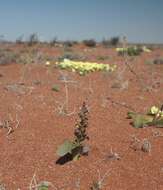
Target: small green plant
(153, 118)
(55, 88)
(130, 51)
(44, 185)
(75, 148)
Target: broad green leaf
(44, 185)
(158, 123)
(66, 148)
(140, 120)
(43, 188)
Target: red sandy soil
(31, 148)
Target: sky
(139, 20)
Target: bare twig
(33, 183)
(128, 66)
(17, 122)
(77, 184)
(113, 155)
(123, 104)
(64, 108)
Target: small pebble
(146, 146)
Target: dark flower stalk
(82, 124)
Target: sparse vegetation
(39, 103)
(54, 41)
(8, 57)
(68, 43)
(130, 51)
(112, 42)
(89, 43)
(19, 40)
(33, 39)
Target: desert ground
(39, 114)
